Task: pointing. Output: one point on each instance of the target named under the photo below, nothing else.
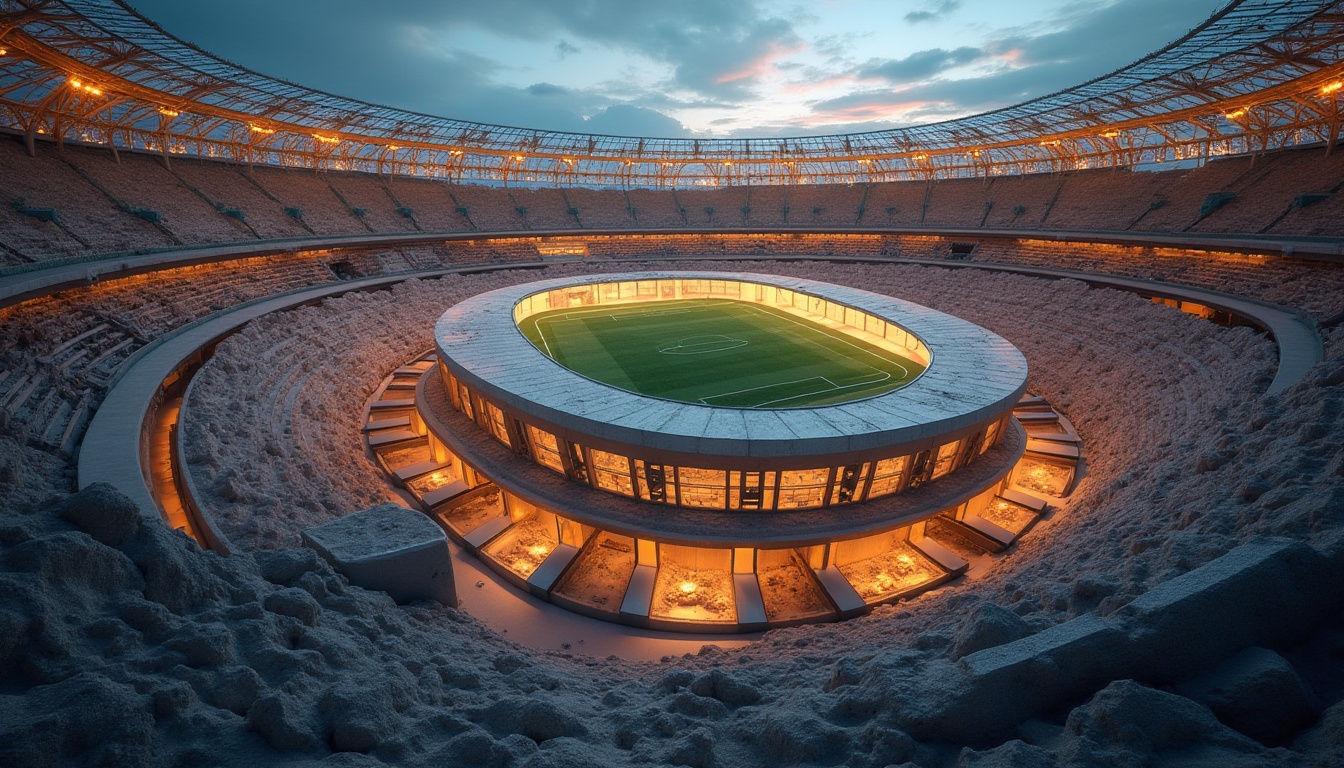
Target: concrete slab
(391, 549)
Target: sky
(685, 68)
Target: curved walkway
(37, 279)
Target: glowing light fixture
(1331, 88)
(168, 112)
(89, 88)
(326, 139)
(1233, 115)
(259, 129)
(686, 587)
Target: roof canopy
(1257, 76)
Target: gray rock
(293, 602)
(1013, 754)
(283, 567)
(103, 512)
(359, 718)
(474, 747)
(1323, 743)
(83, 720)
(1139, 719)
(1256, 692)
(286, 723)
(536, 718)
(204, 645)
(988, 625)
(728, 689)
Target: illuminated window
(545, 449)
(887, 476)
(657, 482)
(497, 427)
(991, 436)
(947, 456)
(702, 487)
(612, 472)
(803, 488)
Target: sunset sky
(688, 67)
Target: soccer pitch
(717, 352)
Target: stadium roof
(1258, 75)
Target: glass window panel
(612, 472)
(702, 487)
(497, 427)
(802, 488)
(887, 476)
(991, 436)
(546, 449)
(946, 456)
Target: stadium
(684, 407)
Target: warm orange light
(921, 156)
(89, 88)
(258, 129)
(168, 112)
(4, 51)
(392, 147)
(1331, 88)
(519, 158)
(326, 139)
(1235, 114)
(727, 162)
(686, 587)
(1111, 134)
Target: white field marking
(542, 335)
(767, 386)
(883, 376)
(823, 391)
(615, 313)
(650, 308)
(577, 315)
(823, 332)
(676, 349)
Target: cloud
(1085, 40)
(629, 120)
(921, 65)
(937, 12)
(471, 60)
(547, 89)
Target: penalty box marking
(833, 387)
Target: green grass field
(717, 352)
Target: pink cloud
(761, 64)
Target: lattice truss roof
(1257, 76)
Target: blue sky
(685, 67)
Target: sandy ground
(269, 657)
